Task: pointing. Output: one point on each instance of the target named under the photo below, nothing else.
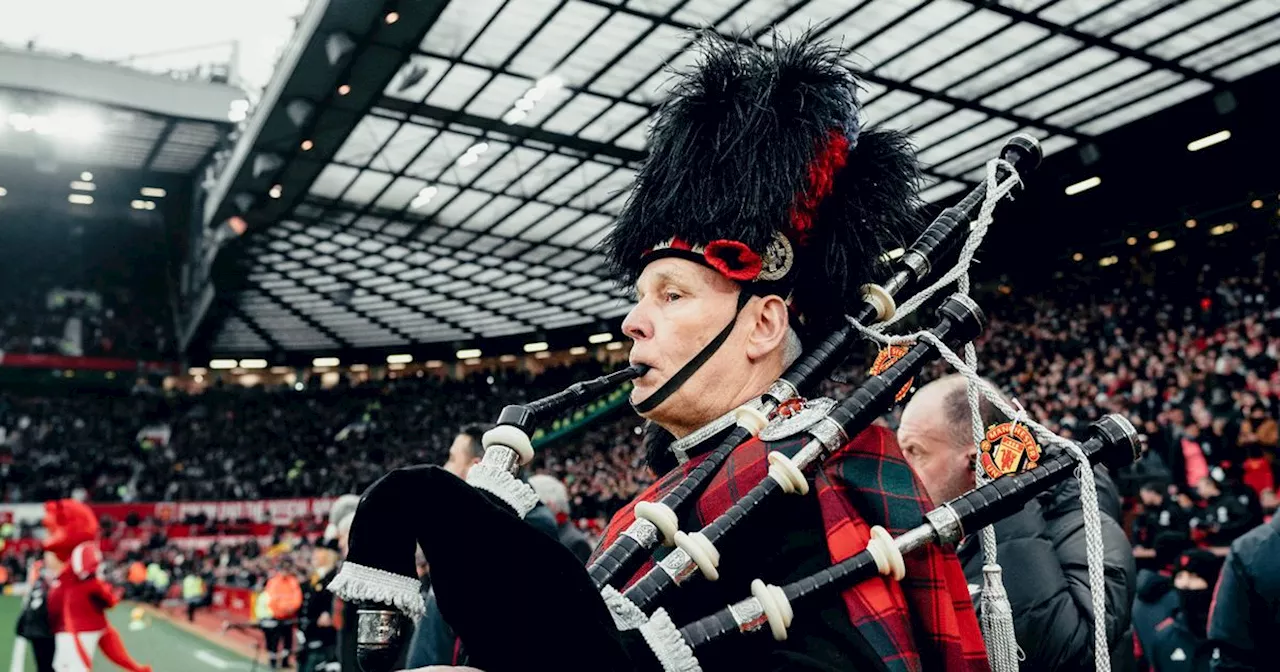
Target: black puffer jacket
(1245, 620)
(1043, 553)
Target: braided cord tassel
(997, 614)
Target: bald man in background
(1041, 548)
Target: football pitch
(163, 646)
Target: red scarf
(924, 622)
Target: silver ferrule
(501, 457)
(914, 538)
(678, 565)
(748, 614)
(644, 532)
(378, 628)
(946, 524)
(918, 264)
(811, 451)
(781, 391)
(829, 434)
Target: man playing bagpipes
(763, 208)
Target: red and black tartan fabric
(924, 622)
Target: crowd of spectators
(71, 289)
(1196, 359)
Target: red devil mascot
(79, 598)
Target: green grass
(161, 645)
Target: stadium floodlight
(253, 363)
(550, 82)
(604, 337)
(222, 364)
(153, 192)
(78, 125)
(80, 199)
(469, 353)
(424, 197)
(616, 345)
(21, 123)
(434, 363)
(399, 359)
(242, 201)
(197, 371)
(1083, 185)
(1164, 245)
(1208, 141)
(86, 176)
(3, 192)
(299, 111)
(322, 362)
(276, 191)
(1222, 228)
(338, 45)
(83, 186)
(265, 163)
(507, 359)
(535, 347)
(578, 350)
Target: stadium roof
(463, 198)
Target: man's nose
(637, 326)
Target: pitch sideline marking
(210, 659)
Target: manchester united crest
(888, 355)
(1008, 448)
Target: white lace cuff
(515, 493)
(357, 583)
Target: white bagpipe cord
(997, 615)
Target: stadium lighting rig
(1083, 185)
(68, 124)
(1209, 141)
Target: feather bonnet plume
(758, 142)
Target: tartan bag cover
(924, 622)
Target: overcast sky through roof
(165, 35)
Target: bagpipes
(489, 567)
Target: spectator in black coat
(556, 498)
(1179, 643)
(1160, 514)
(1245, 620)
(1156, 596)
(1041, 548)
(1224, 517)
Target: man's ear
(769, 330)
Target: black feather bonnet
(759, 167)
